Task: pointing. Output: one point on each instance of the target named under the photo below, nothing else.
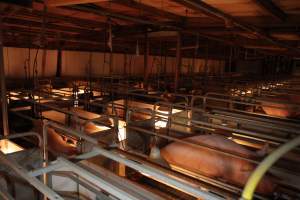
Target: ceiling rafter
(56, 3)
(170, 26)
(271, 8)
(149, 9)
(201, 6)
(25, 12)
(49, 26)
(95, 9)
(52, 35)
(63, 23)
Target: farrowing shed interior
(149, 99)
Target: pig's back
(221, 143)
(203, 160)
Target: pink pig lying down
(213, 164)
(284, 110)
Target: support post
(59, 62)
(3, 85)
(178, 61)
(146, 55)
(44, 41)
(44, 61)
(111, 56)
(125, 65)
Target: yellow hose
(263, 167)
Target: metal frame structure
(153, 172)
(118, 192)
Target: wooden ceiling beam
(145, 25)
(195, 5)
(271, 8)
(56, 3)
(106, 12)
(266, 47)
(22, 12)
(33, 36)
(29, 24)
(206, 8)
(150, 9)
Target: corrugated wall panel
(15, 58)
(76, 64)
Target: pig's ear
(263, 151)
(247, 168)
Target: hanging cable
(35, 69)
(90, 70)
(29, 64)
(105, 48)
(137, 49)
(8, 65)
(160, 65)
(43, 39)
(125, 65)
(109, 42)
(196, 52)
(25, 69)
(130, 64)
(110, 45)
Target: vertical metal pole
(230, 60)
(3, 85)
(45, 153)
(178, 61)
(111, 71)
(59, 57)
(206, 62)
(146, 55)
(44, 61)
(165, 59)
(44, 41)
(125, 65)
(59, 62)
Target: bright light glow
(160, 124)
(145, 174)
(265, 87)
(163, 123)
(37, 97)
(152, 92)
(7, 147)
(14, 93)
(81, 91)
(102, 128)
(122, 130)
(76, 104)
(63, 91)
